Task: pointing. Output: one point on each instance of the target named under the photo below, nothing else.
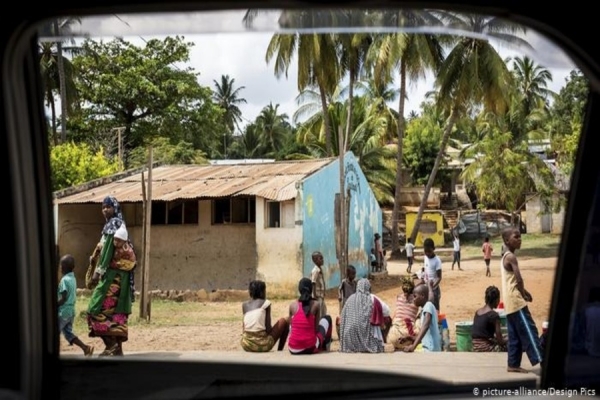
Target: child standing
(409, 247)
(318, 283)
(428, 338)
(487, 250)
(373, 259)
(433, 270)
(522, 332)
(66, 304)
(346, 289)
(456, 245)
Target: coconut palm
(273, 129)
(412, 55)
(532, 81)
(473, 73)
(367, 141)
(316, 59)
(53, 83)
(227, 96)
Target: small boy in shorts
(66, 304)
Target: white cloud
(242, 57)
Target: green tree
(123, 85)
(422, 144)
(412, 55)
(72, 164)
(273, 129)
(567, 113)
(367, 142)
(472, 73)
(227, 96)
(58, 76)
(166, 153)
(316, 56)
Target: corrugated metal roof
(274, 181)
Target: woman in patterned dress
(114, 262)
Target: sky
(223, 46)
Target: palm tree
(412, 55)
(273, 129)
(532, 81)
(503, 167)
(473, 73)
(367, 142)
(51, 76)
(227, 96)
(316, 57)
(62, 26)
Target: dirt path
(462, 294)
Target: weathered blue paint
(318, 218)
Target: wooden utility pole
(120, 131)
(343, 218)
(145, 304)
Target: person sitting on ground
(429, 337)
(346, 289)
(362, 318)
(308, 335)
(486, 332)
(404, 330)
(258, 335)
(387, 318)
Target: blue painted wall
(318, 211)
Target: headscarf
(114, 223)
(357, 334)
(305, 290)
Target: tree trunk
(401, 128)
(62, 85)
(326, 120)
(436, 166)
(53, 117)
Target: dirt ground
(462, 294)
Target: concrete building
(220, 226)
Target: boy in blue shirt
(429, 337)
(66, 304)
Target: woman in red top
(307, 334)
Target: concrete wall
(318, 219)
(279, 249)
(181, 256)
(534, 217)
(366, 217)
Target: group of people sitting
(307, 332)
(364, 325)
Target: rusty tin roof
(274, 181)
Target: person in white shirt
(409, 248)
(433, 270)
(456, 244)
